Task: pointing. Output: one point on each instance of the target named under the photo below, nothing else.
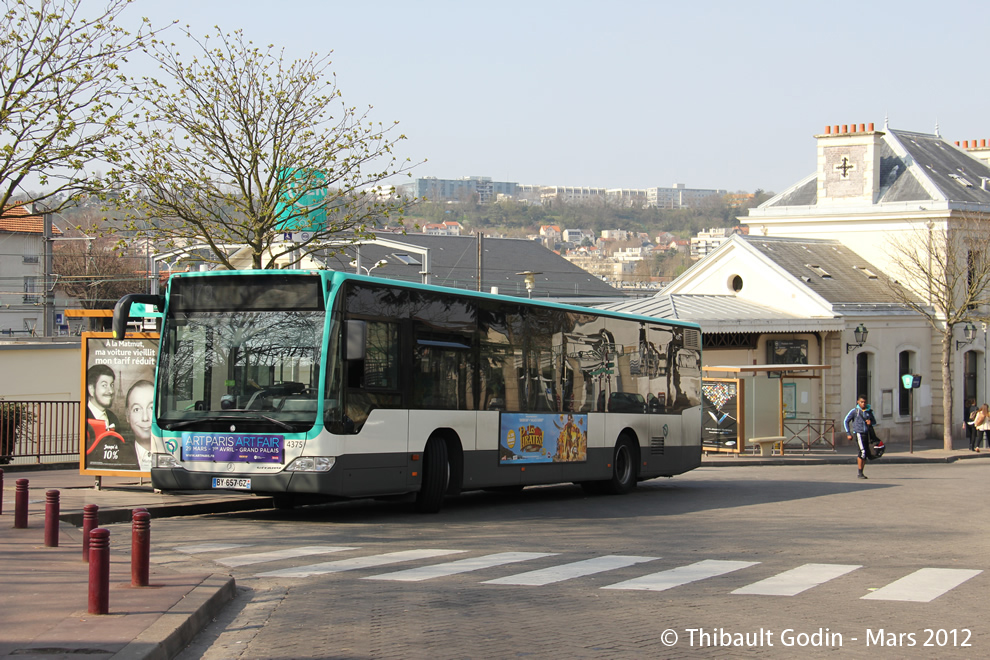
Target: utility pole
(49, 304)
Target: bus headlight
(311, 464)
(165, 461)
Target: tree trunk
(947, 389)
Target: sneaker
(861, 475)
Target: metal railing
(809, 434)
(39, 431)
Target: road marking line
(924, 585)
(570, 571)
(275, 555)
(357, 562)
(209, 547)
(682, 575)
(460, 566)
(796, 580)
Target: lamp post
(969, 333)
(860, 333)
(530, 280)
(367, 271)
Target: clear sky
(630, 94)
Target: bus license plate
(231, 483)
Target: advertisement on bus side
(543, 438)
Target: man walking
(857, 424)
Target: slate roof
(825, 267)
(454, 263)
(914, 167)
(723, 314)
(828, 268)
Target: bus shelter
(747, 402)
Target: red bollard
(140, 547)
(21, 504)
(51, 518)
(90, 522)
(99, 571)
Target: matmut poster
(117, 407)
(543, 438)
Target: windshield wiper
(278, 422)
(189, 422)
(228, 418)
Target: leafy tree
(238, 145)
(946, 272)
(63, 96)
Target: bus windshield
(245, 355)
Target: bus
(310, 386)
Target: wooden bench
(766, 444)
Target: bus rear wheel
(623, 468)
(436, 472)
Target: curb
(110, 516)
(836, 460)
(175, 629)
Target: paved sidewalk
(44, 597)
(925, 450)
(44, 593)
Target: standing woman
(982, 426)
(969, 422)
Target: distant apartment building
(529, 193)
(679, 196)
(576, 236)
(615, 235)
(706, 241)
(458, 190)
(571, 194)
(449, 228)
(626, 197)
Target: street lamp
(530, 279)
(367, 271)
(860, 333)
(969, 332)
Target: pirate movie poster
(543, 438)
(720, 415)
(118, 403)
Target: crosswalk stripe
(569, 571)
(923, 585)
(459, 566)
(676, 577)
(796, 580)
(358, 562)
(287, 553)
(209, 547)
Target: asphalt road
(780, 561)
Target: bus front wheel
(436, 471)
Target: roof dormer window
(821, 272)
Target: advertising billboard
(117, 403)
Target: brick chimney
(849, 164)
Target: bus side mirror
(122, 310)
(356, 337)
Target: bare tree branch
(945, 270)
(64, 96)
(239, 145)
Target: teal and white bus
(316, 385)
